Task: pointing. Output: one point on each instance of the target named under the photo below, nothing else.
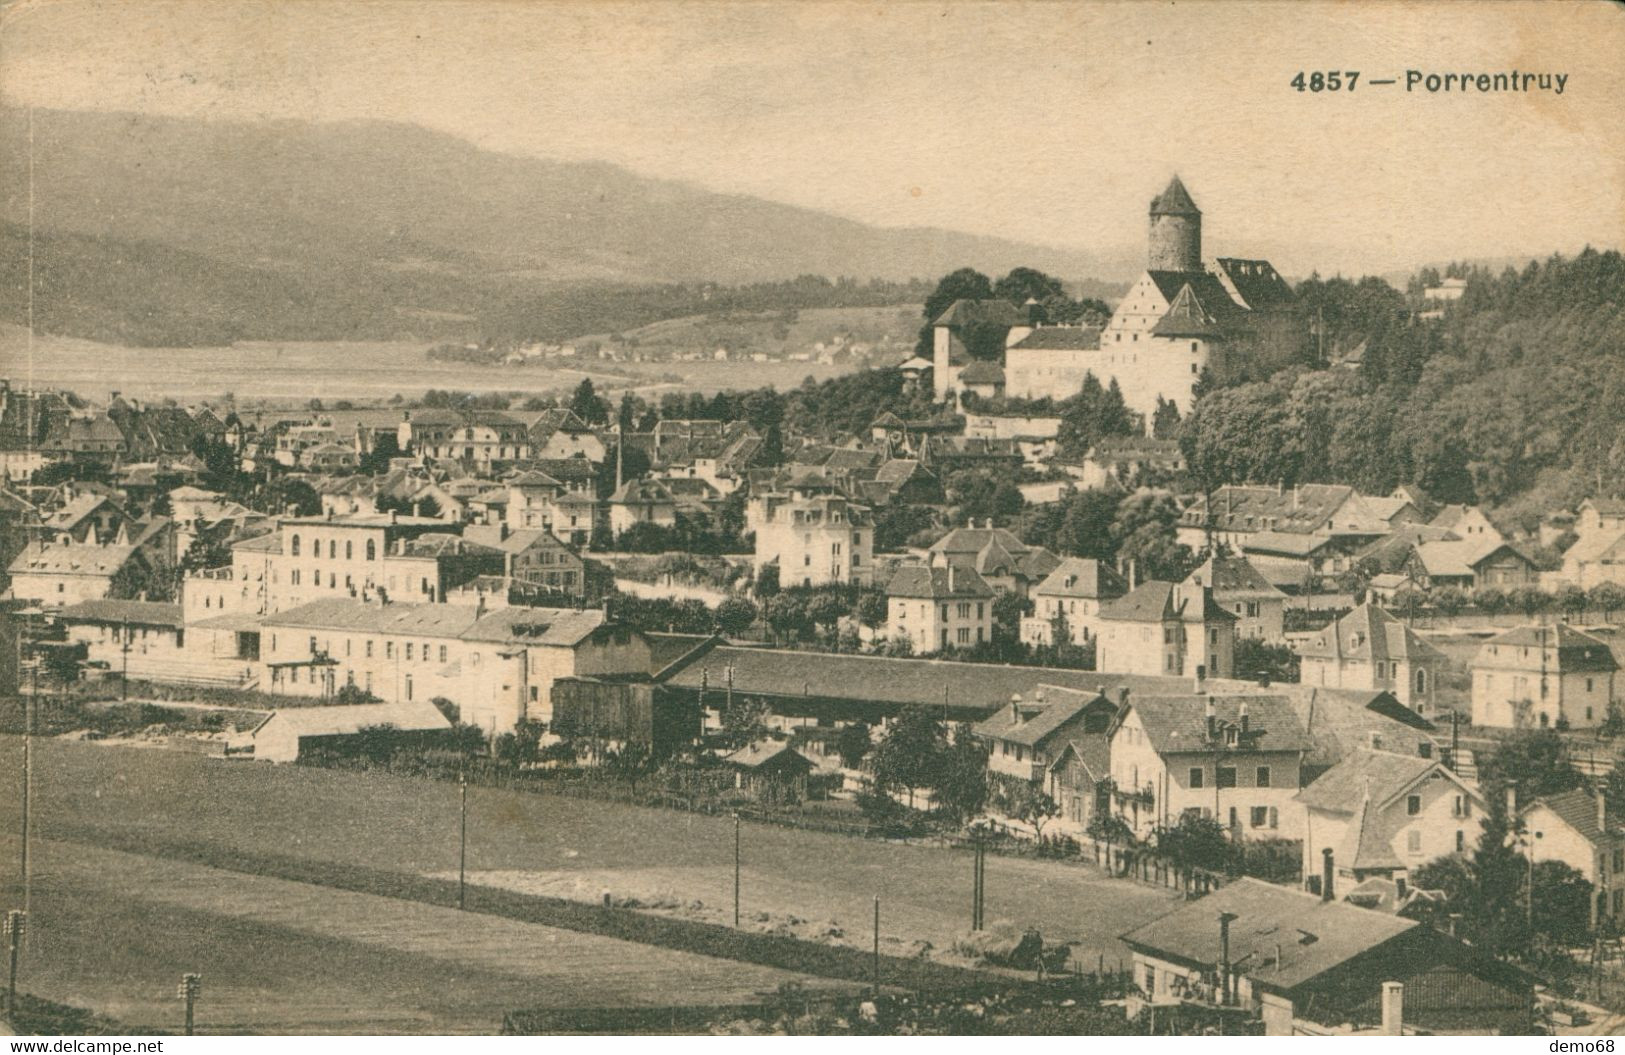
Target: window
(1461, 841)
(293, 546)
(1263, 776)
(1421, 682)
(349, 550)
(389, 650)
(1413, 805)
(409, 686)
(442, 653)
(964, 635)
(1196, 776)
(1619, 900)
(409, 651)
(313, 645)
(1260, 816)
(372, 550)
(369, 648)
(1460, 807)
(1225, 776)
(1413, 842)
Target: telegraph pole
(124, 671)
(16, 924)
(736, 868)
(462, 840)
(190, 988)
(877, 945)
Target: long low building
(290, 731)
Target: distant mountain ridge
(287, 194)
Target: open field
(284, 374)
(114, 931)
(91, 793)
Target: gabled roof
(1204, 286)
(1032, 723)
(1186, 317)
(1341, 721)
(1233, 577)
(1381, 775)
(920, 581)
(140, 613)
(754, 756)
(343, 719)
(1059, 338)
(1313, 936)
(1081, 577)
(1369, 634)
(1576, 808)
(1093, 752)
(1363, 846)
(1576, 649)
(1256, 282)
(1178, 724)
(982, 372)
(1155, 601)
(969, 312)
(642, 491)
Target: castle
(1161, 335)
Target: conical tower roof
(1174, 201)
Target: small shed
(292, 730)
(770, 769)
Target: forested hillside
(1512, 399)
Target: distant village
(1287, 698)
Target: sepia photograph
(754, 518)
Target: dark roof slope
(1174, 200)
(917, 580)
(1178, 724)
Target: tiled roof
(1576, 650)
(1370, 634)
(982, 372)
(1175, 200)
(753, 756)
(1187, 317)
(1060, 338)
(1363, 845)
(1257, 283)
(879, 679)
(1233, 577)
(1207, 289)
(1155, 601)
(141, 613)
(71, 558)
(340, 719)
(536, 626)
(1313, 936)
(1382, 774)
(1341, 721)
(1178, 724)
(1081, 577)
(1303, 509)
(1576, 808)
(1032, 723)
(918, 580)
(969, 312)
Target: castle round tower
(1176, 231)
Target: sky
(1043, 122)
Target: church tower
(1176, 231)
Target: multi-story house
(497, 667)
(532, 557)
(1545, 676)
(814, 538)
(1383, 814)
(996, 554)
(1071, 595)
(1259, 608)
(531, 498)
(475, 439)
(1166, 628)
(641, 501)
(939, 608)
(1370, 649)
(1232, 758)
(1028, 735)
(1574, 827)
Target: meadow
(324, 838)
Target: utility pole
(736, 868)
(978, 878)
(190, 988)
(16, 924)
(1225, 919)
(462, 839)
(877, 945)
(124, 668)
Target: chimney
(1326, 875)
(1243, 717)
(1015, 708)
(1133, 575)
(1224, 955)
(1400, 887)
(1212, 720)
(1602, 811)
(1122, 697)
(1393, 1009)
(394, 517)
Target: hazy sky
(1046, 122)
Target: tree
(632, 762)
(825, 609)
(787, 616)
(385, 447)
(852, 744)
(1145, 529)
(961, 788)
(1025, 801)
(1571, 601)
(586, 404)
(1195, 842)
(744, 721)
(964, 284)
(1607, 598)
(1165, 420)
(910, 755)
(736, 615)
(1008, 609)
(1535, 760)
(1562, 903)
(872, 608)
(1256, 658)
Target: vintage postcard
(825, 518)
